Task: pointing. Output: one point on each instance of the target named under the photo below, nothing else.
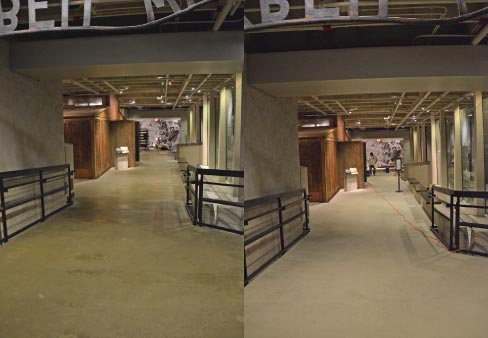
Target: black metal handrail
(269, 214)
(38, 178)
(455, 223)
(196, 181)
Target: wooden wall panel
(123, 133)
(331, 175)
(351, 155)
(310, 157)
(103, 158)
(79, 132)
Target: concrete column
(423, 143)
(458, 169)
(222, 145)
(442, 152)
(433, 147)
(238, 163)
(212, 132)
(205, 129)
(198, 117)
(479, 149)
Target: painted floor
(364, 272)
(124, 261)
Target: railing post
(200, 200)
(187, 181)
(280, 218)
(432, 225)
(307, 211)
(70, 187)
(195, 205)
(3, 238)
(458, 215)
(451, 216)
(41, 187)
(245, 268)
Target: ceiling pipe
(222, 15)
(480, 36)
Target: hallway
(363, 272)
(124, 261)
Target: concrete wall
(404, 133)
(31, 119)
(271, 159)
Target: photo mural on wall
(385, 149)
(163, 133)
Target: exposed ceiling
(348, 34)
(382, 111)
(158, 91)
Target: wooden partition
(90, 137)
(123, 133)
(318, 152)
(351, 155)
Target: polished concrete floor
(364, 272)
(124, 261)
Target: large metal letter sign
(149, 9)
(332, 15)
(312, 12)
(10, 16)
(267, 16)
(33, 23)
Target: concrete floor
(124, 261)
(363, 272)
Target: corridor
(124, 261)
(364, 272)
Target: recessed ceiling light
(159, 77)
(199, 91)
(192, 88)
(186, 96)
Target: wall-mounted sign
(9, 17)
(274, 13)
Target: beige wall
(31, 119)
(270, 136)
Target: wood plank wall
(310, 150)
(79, 132)
(123, 133)
(319, 155)
(351, 155)
(102, 147)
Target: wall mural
(385, 150)
(163, 133)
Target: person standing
(372, 161)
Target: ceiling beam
(81, 85)
(200, 85)
(342, 107)
(314, 107)
(222, 15)
(316, 98)
(111, 87)
(399, 103)
(414, 109)
(183, 88)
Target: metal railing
(272, 225)
(451, 237)
(214, 198)
(27, 197)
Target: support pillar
(222, 145)
(433, 148)
(442, 152)
(479, 149)
(205, 130)
(238, 163)
(458, 169)
(212, 132)
(423, 143)
(198, 117)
